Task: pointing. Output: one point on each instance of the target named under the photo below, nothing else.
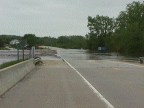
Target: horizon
(40, 36)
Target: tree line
(72, 42)
(126, 31)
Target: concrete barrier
(11, 75)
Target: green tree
(100, 27)
(130, 28)
(73, 42)
(1, 43)
(31, 39)
(63, 41)
(7, 38)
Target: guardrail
(9, 76)
(141, 59)
(36, 60)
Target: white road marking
(109, 105)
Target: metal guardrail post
(141, 60)
(37, 60)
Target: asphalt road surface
(51, 85)
(120, 83)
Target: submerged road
(120, 83)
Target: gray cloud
(30, 2)
(54, 17)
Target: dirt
(52, 62)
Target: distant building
(14, 42)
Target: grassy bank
(1, 48)
(7, 64)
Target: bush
(4, 49)
(1, 43)
(7, 64)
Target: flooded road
(78, 54)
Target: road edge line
(108, 104)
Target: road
(120, 83)
(51, 85)
(115, 83)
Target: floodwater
(80, 54)
(9, 58)
(77, 54)
(6, 59)
(11, 55)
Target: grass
(7, 64)
(2, 48)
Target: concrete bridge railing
(11, 75)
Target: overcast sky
(54, 17)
